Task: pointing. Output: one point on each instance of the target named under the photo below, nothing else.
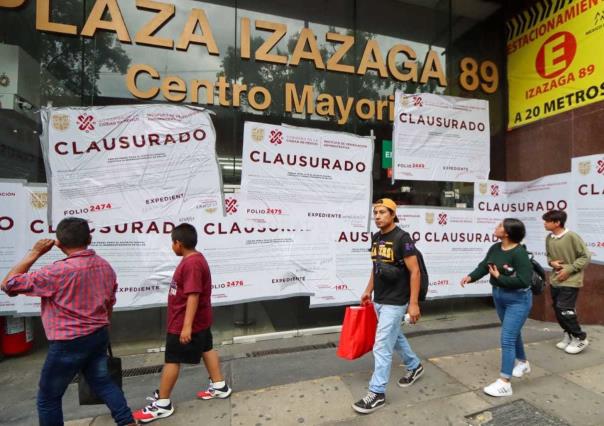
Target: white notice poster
(442, 138)
(527, 201)
(298, 177)
(142, 257)
(453, 242)
(139, 252)
(112, 164)
(587, 218)
(353, 269)
(12, 210)
(256, 262)
(247, 263)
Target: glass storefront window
(388, 45)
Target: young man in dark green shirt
(568, 256)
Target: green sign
(386, 154)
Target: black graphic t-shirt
(391, 248)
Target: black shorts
(177, 353)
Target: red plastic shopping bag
(358, 331)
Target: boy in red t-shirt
(189, 336)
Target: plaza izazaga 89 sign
(555, 58)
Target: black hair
(186, 234)
(555, 216)
(73, 232)
(515, 229)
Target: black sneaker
(411, 376)
(370, 403)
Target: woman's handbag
(358, 331)
(86, 394)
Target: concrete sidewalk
(301, 385)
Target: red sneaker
(153, 412)
(211, 392)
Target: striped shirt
(77, 294)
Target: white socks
(163, 402)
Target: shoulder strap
(530, 254)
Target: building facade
(324, 64)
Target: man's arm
(548, 255)
(414, 276)
(40, 248)
(190, 311)
(583, 254)
(112, 301)
(556, 264)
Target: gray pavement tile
(558, 397)
(465, 341)
(596, 341)
(433, 384)
(136, 389)
(31, 419)
(472, 340)
(445, 411)
(591, 378)
(80, 422)
(478, 369)
(20, 375)
(214, 412)
(19, 384)
(547, 356)
(311, 402)
(516, 412)
(197, 412)
(598, 329)
(274, 370)
(474, 369)
(105, 420)
(18, 404)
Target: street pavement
(301, 381)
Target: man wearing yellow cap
(395, 283)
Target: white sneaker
(562, 344)
(576, 345)
(522, 368)
(152, 412)
(499, 388)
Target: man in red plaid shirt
(77, 297)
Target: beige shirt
(570, 249)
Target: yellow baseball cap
(389, 204)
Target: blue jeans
(389, 337)
(513, 307)
(64, 360)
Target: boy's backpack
(424, 281)
(538, 275)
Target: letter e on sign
(556, 54)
